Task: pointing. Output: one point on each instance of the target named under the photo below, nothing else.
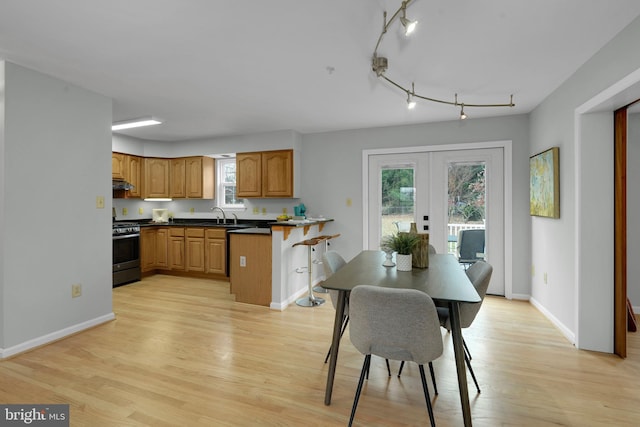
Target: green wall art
(544, 184)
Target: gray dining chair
(470, 244)
(397, 324)
(480, 275)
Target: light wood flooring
(182, 353)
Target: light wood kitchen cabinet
(128, 168)
(216, 251)
(176, 248)
(277, 173)
(248, 175)
(178, 182)
(265, 174)
(162, 248)
(193, 177)
(154, 253)
(118, 165)
(195, 249)
(251, 282)
(147, 249)
(156, 177)
(133, 176)
(200, 177)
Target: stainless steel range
(126, 253)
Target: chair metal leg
(473, 375)
(365, 369)
(388, 367)
(466, 349)
(426, 395)
(345, 322)
(431, 371)
(433, 378)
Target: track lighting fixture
(411, 103)
(409, 26)
(380, 64)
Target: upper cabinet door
(156, 177)
(248, 175)
(277, 173)
(178, 183)
(133, 176)
(118, 165)
(200, 177)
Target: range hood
(120, 184)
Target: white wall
(576, 250)
(57, 141)
(633, 211)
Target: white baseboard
(563, 329)
(54, 336)
(522, 297)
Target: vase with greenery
(403, 244)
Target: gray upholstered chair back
(398, 324)
(432, 249)
(332, 261)
(480, 275)
(470, 243)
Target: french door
(421, 187)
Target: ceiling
(212, 68)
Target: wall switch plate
(264, 211)
(140, 211)
(191, 210)
(256, 211)
(99, 202)
(545, 278)
(76, 290)
(243, 261)
(124, 211)
(349, 202)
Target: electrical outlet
(192, 210)
(140, 211)
(76, 290)
(349, 202)
(256, 211)
(264, 211)
(284, 211)
(99, 202)
(124, 211)
(243, 261)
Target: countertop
(253, 230)
(302, 222)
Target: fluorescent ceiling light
(135, 123)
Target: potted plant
(403, 244)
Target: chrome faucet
(235, 218)
(224, 216)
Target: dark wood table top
(444, 280)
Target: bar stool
(310, 300)
(325, 239)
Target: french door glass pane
(467, 195)
(398, 199)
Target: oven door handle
(127, 236)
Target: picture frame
(544, 183)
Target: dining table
(445, 281)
